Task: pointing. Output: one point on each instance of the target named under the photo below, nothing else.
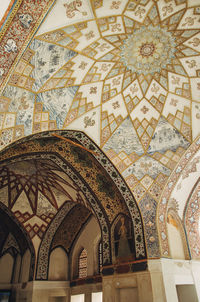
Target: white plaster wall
(88, 239)
(58, 265)
(175, 242)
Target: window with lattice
(82, 264)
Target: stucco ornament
(148, 50)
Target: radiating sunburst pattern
(34, 190)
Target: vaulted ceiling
(127, 73)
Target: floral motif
(144, 109)
(88, 121)
(139, 12)
(115, 27)
(103, 47)
(191, 63)
(104, 67)
(116, 105)
(195, 42)
(191, 168)
(155, 88)
(115, 5)
(189, 21)
(82, 65)
(167, 10)
(72, 7)
(93, 90)
(90, 35)
(148, 50)
(173, 102)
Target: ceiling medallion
(148, 50)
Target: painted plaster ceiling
(124, 72)
(127, 73)
(68, 230)
(11, 238)
(34, 190)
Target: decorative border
(20, 34)
(191, 220)
(44, 249)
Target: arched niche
(6, 268)
(87, 240)
(58, 265)
(15, 240)
(176, 236)
(123, 245)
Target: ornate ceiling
(127, 73)
(34, 190)
(42, 177)
(68, 230)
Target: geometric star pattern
(34, 190)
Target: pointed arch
(20, 240)
(176, 236)
(105, 190)
(82, 263)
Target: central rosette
(148, 50)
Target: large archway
(43, 168)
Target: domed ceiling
(34, 190)
(127, 73)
